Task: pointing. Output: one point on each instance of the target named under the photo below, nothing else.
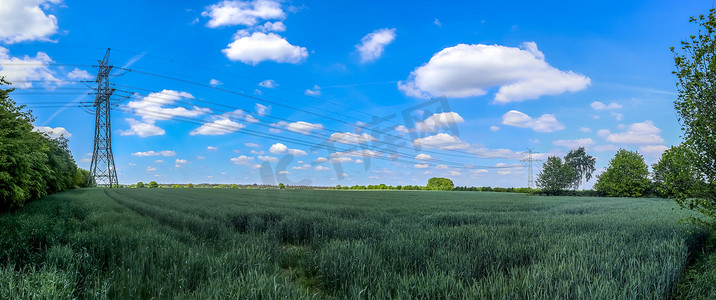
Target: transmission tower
(102, 168)
(528, 160)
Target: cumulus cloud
(215, 82)
(423, 156)
(258, 47)
(351, 138)
(268, 83)
(248, 13)
(372, 45)
(79, 74)
(53, 132)
(636, 133)
(441, 141)
(520, 73)
(356, 153)
(545, 123)
(262, 109)
(316, 91)
(277, 26)
(217, 127)
(25, 20)
(402, 129)
(439, 120)
(421, 166)
(573, 144)
(242, 160)
(179, 163)
(211, 148)
(21, 72)
(151, 108)
(601, 106)
(252, 145)
(299, 127)
(142, 129)
(268, 158)
(155, 153)
(321, 168)
(279, 148)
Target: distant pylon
(529, 160)
(102, 167)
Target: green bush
(626, 176)
(439, 183)
(153, 184)
(139, 185)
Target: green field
(232, 243)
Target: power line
(102, 170)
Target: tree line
(32, 164)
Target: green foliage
(283, 186)
(439, 183)
(176, 186)
(153, 184)
(189, 186)
(675, 176)
(582, 164)
(626, 176)
(307, 244)
(555, 175)
(82, 178)
(696, 107)
(139, 185)
(32, 164)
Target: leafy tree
(582, 164)
(696, 107)
(140, 185)
(674, 175)
(82, 177)
(626, 176)
(153, 184)
(189, 186)
(283, 186)
(439, 183)
(176, 186)
(555, 175)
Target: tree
(696, 107)
(81, 178)
(283, 186)
(153, 184)
(140, 184)
(582, 164)
(439, 183)
(555, 175)
(674, 175)
(189, 186)
(626, 176)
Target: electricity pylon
(102, 169)
(529, 160)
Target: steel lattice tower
(529, 160)
(102, 167)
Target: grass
(229, 243)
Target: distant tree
(696, 107)
(338, 186)
(82, 177)
(626, 176)
(281, 186)
(189, 186)
(153, 184)
(674, 174)
(583, 165)
(439, 183)
(176, 186)
(555, 175)
(140, 184)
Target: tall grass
(230, 243)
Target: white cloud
(279, 148)
(421, 166)
(437, 23)
(573, 144)
(155, 153)
(215, 82)
(402, 129)
(299, 127)
(423, 156)
(21, 72)
(351, 138)
(248, 13)
(653, 150)
(303, 167)
(151, 109)
(545, 123)
(252, 145)
(321, 159)
(441, 141)
(636, 133)
(454, 173)
(142, 129)
(585, 129)
(262, 110)
(357, 153)
(151, 169)
(316, 91)
(25, 20)
(277, 26)
(442, 167)
(268, 83)
(218, 127)
(179, 163)
(79, 74)
(436, 121)
(242, 160)
(258, 47)
(321, 168)
(268, 158)
(372, 45)
(211, 148)
(520, 74)
(53, 132)
(494, 128)
(483, 152)
(479, 171)
(359, 161)
(410, 90)
(283, 172)
(617, 116)
(601, 106)
(341, 159)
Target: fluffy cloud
(53, 132)
(262, 109)
(269, 83)
(636, 133)
(351, 138)
(142, 129)
(248, 13)
(218, 127)
(211, 148)
(356, 153)
(151, 108)
(252, 145)
(545, 123)
(79, 74)
(601, 106)
(258, 47)
(215, 82)
(268, 158)
(321, 159)
(520, 73)
(299, 127)
(373, 44)
(242, 160)
(573, 144)
(279, 148)
(22, 71)
(402, 129)
(421, 166)
(24, 20)
(423, 156)
(155, 153)
(321, 168)
(441, 141)
(316, 91)
(277, 26)
(440, 120)
(179, 163)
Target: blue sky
(368, 92)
